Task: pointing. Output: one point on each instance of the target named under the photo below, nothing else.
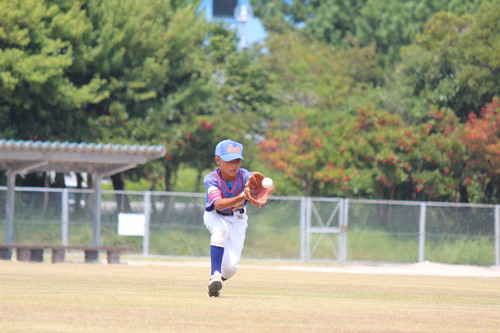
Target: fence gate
(324, 220)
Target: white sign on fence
(131, 224)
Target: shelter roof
(105, 159)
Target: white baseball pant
(227, 232)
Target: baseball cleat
(214, 285)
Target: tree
(295, 152)
(479, 64)
(311, 82)
(482, 136)
(451, 64)
(237, 103)
(392, 159)
(107, 71)
(151, 55)
(38, 99)
(388, 24)
(442, 158)
(372, 154)
(313, 74)
(394, 24)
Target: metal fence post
(421, 233)
(303, 230)
(343, 222)
(64, 216)
(497, 235)
(147, 215)
(309, 204)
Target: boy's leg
(215, 283)
(216, 254)
(219, 233)
(233, 248)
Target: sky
(254, 29)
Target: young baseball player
(225, 216)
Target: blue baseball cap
(229, 150)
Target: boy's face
(228, 169)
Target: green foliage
(330, 104)
(313, 74)
(387, 24)
(482, 137)
(479, 63)
(107, 71)
(38, 42)
(402, 141)
(239, 102)
(150, 55)
(451, 64)
(373, 154)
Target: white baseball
(267, 182)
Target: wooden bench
(34, 252)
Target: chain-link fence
(297, 228)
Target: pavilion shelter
(100, 160)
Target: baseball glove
(255, 193)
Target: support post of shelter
(96, 177)
(10, 206)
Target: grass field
(171, 297)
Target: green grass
(368, 245)
(170, 297)
(372, 246)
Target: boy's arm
(224, 203)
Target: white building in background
(224, 10)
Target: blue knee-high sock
(216, 253)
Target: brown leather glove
(255, 193)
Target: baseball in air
(267, 182)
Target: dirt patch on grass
(425, 268)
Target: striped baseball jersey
(218, 188)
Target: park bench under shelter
(100, 160)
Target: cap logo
(231, 149)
